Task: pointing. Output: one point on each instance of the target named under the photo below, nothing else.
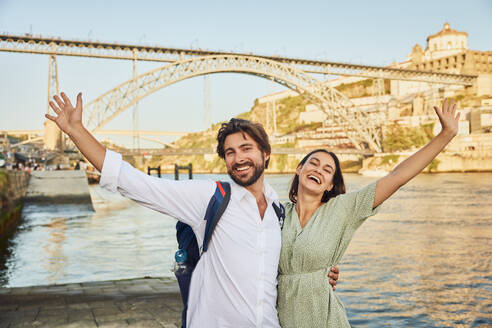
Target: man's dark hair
(254, 130)
(338, 183)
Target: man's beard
(258, 171)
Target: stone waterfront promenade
(145, 302)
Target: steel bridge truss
(361, 129)
(57, 46)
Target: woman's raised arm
(413, 165)
(69, 120)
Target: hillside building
(411, 103)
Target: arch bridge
(361, 128)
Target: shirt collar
(239, 192)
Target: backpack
(187, 240)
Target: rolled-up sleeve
(110, 171)
(185, 200)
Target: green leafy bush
(398, 137)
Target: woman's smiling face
(316, 175)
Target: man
(234, 283)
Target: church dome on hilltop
(446, 42)
(446, 30)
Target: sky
(360, 32)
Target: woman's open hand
(448, 117)
(68, 117)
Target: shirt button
(259, 302)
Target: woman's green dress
(305, 297)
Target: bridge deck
(86, 48)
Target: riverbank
(443, 163)
(384, 162)
(213, 164)
(143, 302)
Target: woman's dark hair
(254, 130)
(338, 184)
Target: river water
(423, 261)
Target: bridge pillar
(53, 137)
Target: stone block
(49, 321)
(113, 324)
(98, 284)
(138, 315)
(79, 306)
(110, 309)
(80, 315)
(47, 312)
(93, 291)
(136, 289)
(54, 307)
(8, 307)
(5, 291)
(81, 324)
(111, 318)
(24, 324)
(22, 290)
(144, 323)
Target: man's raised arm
(69, 120)
(184, 200)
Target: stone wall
(59, 187)
(13, 187)
(458, 163)
(444, 162)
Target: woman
(321, 220)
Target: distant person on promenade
(321, 220)
(235, 282)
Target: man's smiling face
(245, 162)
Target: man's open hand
(67, 117)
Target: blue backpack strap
(187, 240)
(215, 209)
(184, 234)
(280, 211)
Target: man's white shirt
(235, 281)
